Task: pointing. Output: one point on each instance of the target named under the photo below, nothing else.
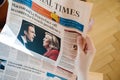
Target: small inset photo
(2, 64)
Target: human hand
(85, 54)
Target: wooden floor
(106, 36)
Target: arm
(85, 54)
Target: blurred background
(106, 36)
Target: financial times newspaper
(58, 19)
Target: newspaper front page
(57, 20)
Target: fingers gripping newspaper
(40, 38)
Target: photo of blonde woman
(51, 44)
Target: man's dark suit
(20, 39)
(23, 43)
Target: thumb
(79, 42)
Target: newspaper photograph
(48, 29)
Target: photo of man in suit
(27, 35)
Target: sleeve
(54, 54)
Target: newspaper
(62, 20)
(18, 65)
